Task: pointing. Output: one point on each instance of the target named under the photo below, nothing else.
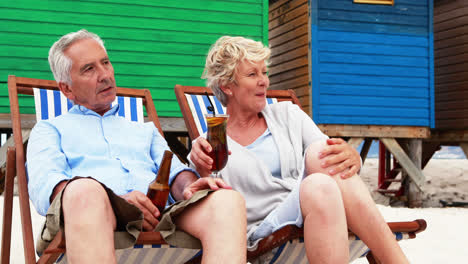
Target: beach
(444, 240)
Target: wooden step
(392, 180)
(385, 191)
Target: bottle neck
(164, 168)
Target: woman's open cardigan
(292, 130)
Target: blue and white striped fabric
(151, 254)
(199, 107)
(52, 103)
(293, 252)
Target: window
(376, 2)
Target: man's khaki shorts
(129, 221)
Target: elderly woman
(288, 171)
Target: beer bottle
(158, 190)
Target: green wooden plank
(265, 22)
(3, 90)
(161, 70)
(214, 5)
(156, 47)
(39, 74)
(24, 38)
(157, 58)
(4, 109)
(26, 64)
(125, 22)
(125, 35)
(150, 82)
(152, 44)
(250, 16)
(23, 51)
(166, 105)
(23, 64)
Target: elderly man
(88, 171)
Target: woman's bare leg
(362, 216)
(325, 229)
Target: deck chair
(285, 245)
(149, 248)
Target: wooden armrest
(291, 232)
(276, 239)
(415, 226)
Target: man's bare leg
(89, 223)
(219, 221)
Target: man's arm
(187, 183)
(47, 166)
(182, 180)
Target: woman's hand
(150, 211)
(345, 159)
(204, 183)
(199, 156)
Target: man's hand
(345, 159)
(204, 183)
(150, 211)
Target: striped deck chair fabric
(148, 254)
(199, 105)
(52, 103)
(292, 251)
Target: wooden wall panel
(451, 64)
(289, 39)
(372, 64)
(152, 44)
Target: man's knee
(222, 208)
(85, 195)
(83, 191)
(226, 200)
(87, 198)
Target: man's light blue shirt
(121, 154)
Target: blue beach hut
(372, 64)
(368, 72)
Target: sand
(444, 241)
(446, 180)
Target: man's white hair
(60, 64)
(224, 57)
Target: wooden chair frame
(289, 232)
(180, 91)
(16, 166)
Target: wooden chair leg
(371, 258)
(8, 205)
(54, 250)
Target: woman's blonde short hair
(224, 57)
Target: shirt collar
(79, 109)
